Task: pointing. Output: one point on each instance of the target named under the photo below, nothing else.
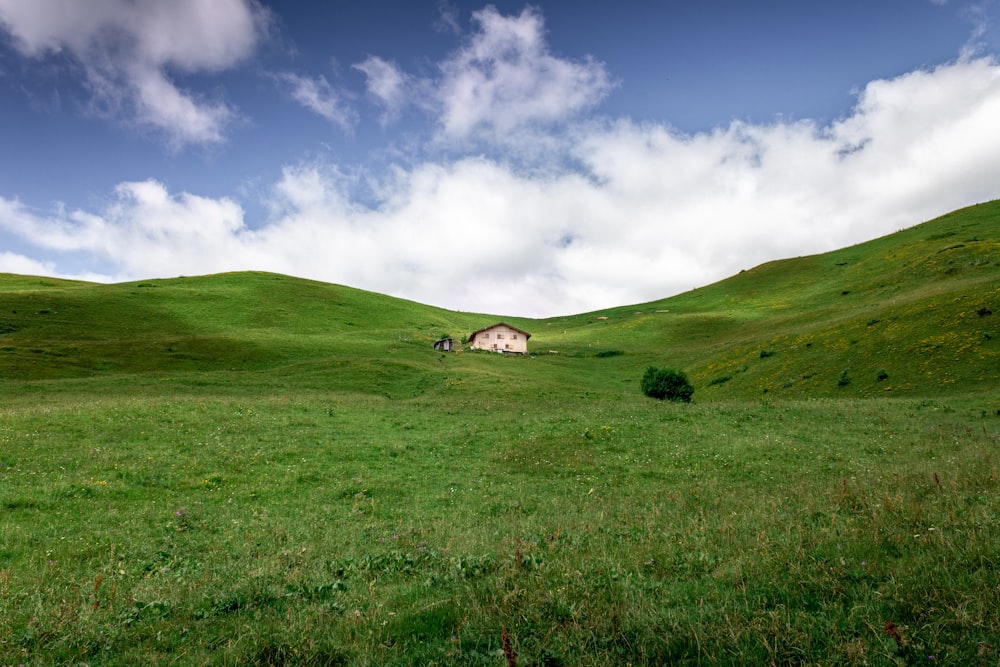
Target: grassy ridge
(253, 469)
(915, 306)
(910, 313)
(234, 321)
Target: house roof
(472, 336)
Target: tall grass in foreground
(337, 529)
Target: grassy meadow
(251, 469)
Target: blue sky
(539, 159)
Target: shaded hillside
(240, 321)
(910, 313)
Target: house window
(513, 336)
(486, 335)
(499, 336)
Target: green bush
(666, 384)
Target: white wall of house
(500, 338)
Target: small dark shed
(445, 344)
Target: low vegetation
(252, 469)
(666, 385)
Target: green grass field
(251, 469)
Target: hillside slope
(250, 329)
(910, 313)
(914, 312)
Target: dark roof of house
(472, 336)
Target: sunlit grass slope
(252, 469)
(910, 313)
(916, 312)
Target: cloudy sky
(535, 160)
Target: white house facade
(500, 337)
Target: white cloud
(978, 14)
(505, 77)
(448, 18)
(647, 211)
(126, 48)
(14, 263)
(143, 231)
(389, 85)
(317, 95)
(20, 265)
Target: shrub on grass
(666, 384)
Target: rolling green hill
(251, 469)
(910, 313)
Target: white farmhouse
(500, 337)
